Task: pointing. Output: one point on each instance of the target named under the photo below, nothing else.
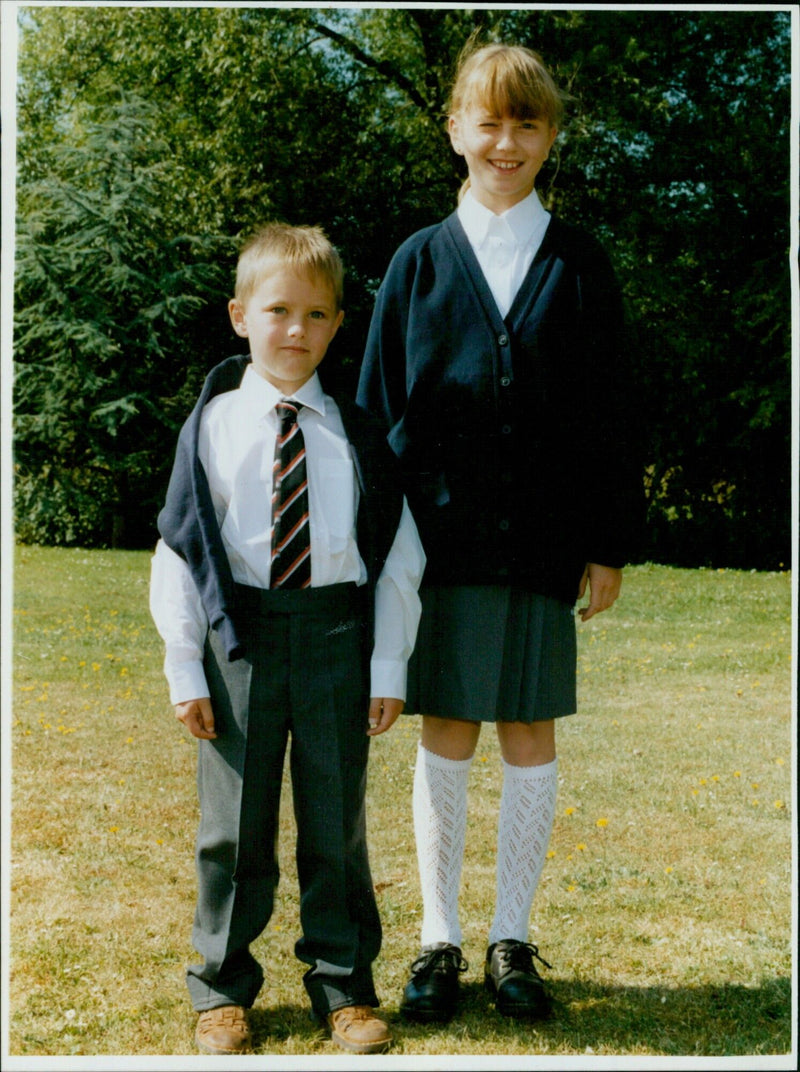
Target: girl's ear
(238, 319)
(455, 140)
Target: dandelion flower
(667, 870)
(601, 823)
(737, 774)
(569, 811)
(779, 804)
(580, 846)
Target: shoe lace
(431, 959)
(354, 1014)
(519, 956)
(230, 1016)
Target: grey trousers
(305, 679)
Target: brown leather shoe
(357, 1029)
(223, 1030)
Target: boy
(287, 555)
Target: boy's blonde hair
(506, 80)
(304, 250)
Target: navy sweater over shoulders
(515, 436)
(188, 522)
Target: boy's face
(289, 321)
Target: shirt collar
(264, 396)
(517, 224)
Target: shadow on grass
(704, 1020)
(719, 1021)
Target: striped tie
(291, 549)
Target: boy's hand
(604, 585)
(383, 712)
(198, 717)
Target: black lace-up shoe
(431, 993)
(511, 976)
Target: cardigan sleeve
(613, 489)
(382, 382)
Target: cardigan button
(505, 525)
(505, 381)
(506, 429)
(502, 340)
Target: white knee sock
(527, 811)
(440, 823)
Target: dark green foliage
(151, 139)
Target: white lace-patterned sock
(440, 823)
(527, 811)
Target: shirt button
(502, 340)
(505, 525)
(506, 429)
(505, 381)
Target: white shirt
(236, 448)
(505, 245)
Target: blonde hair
(304, 250)
(507, 80)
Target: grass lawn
(665, 908)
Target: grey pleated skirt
(489, 653)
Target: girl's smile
(504, 154)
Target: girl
(493, 358)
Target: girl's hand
(604, 585)
(198, 717)
(383, 712)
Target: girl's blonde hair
(505, 80)
(304, 250)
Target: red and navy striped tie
(291, 547)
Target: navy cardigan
(188, 523)
(515, 437)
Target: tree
(102, 289)
(675, 153)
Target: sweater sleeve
(382, 383)
(613, 489)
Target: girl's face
(504, 155)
